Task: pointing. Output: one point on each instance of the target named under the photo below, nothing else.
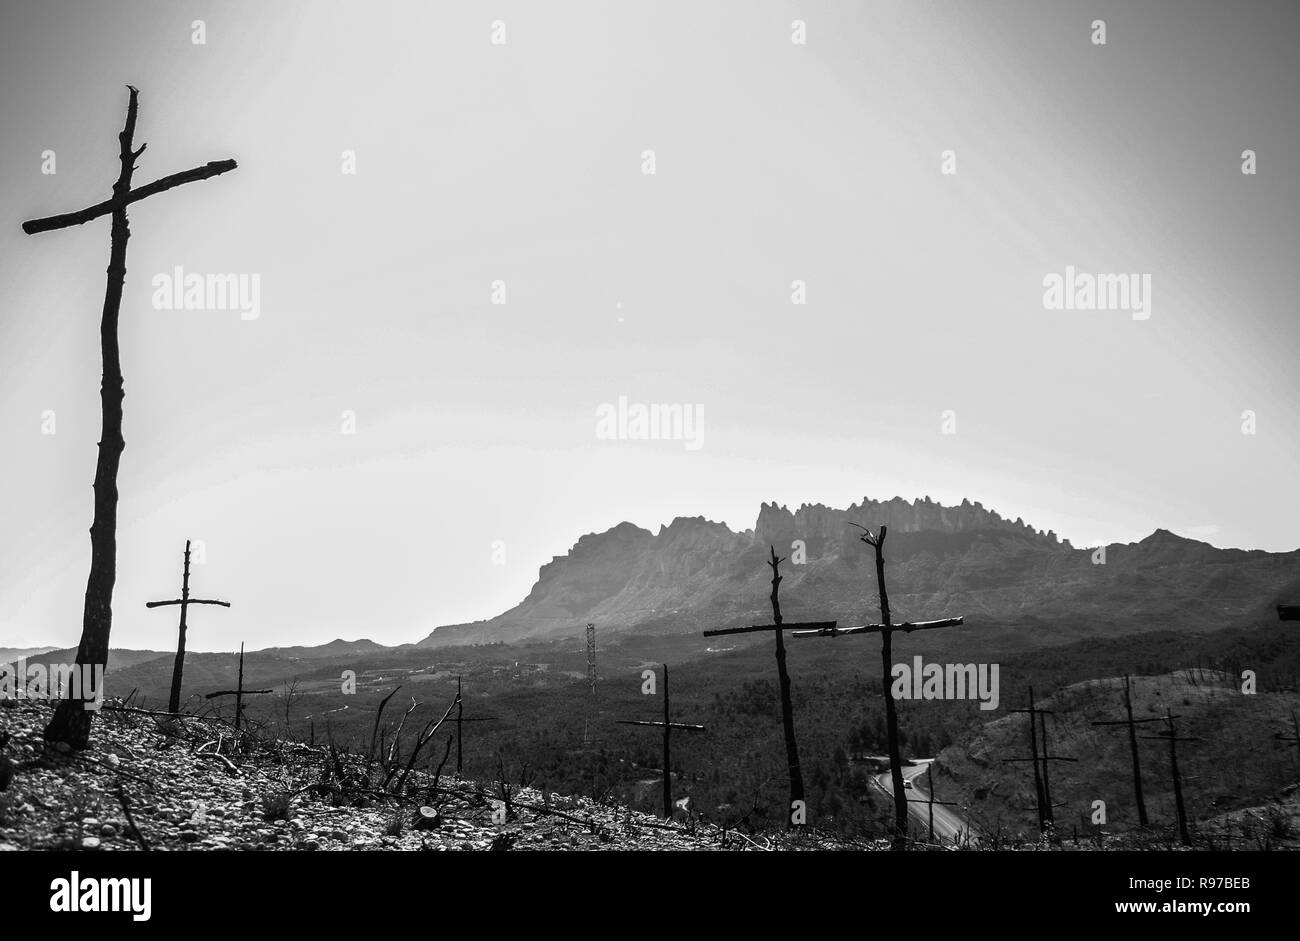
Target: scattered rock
(62, 805)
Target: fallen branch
(230, 765)
(130, 820)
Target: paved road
(949, 827)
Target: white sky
(522, 162)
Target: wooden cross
(929, 783)
(783, 676)
(239, 692)
(72, 724)
(460, 717)
(1133, 747)
(184, 601)
(886, 630)
(1170, 735)
(667, 725)
(1042, 780)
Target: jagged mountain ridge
(941, 560)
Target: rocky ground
(187, 784)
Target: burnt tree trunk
(891, 710)
(71, 721)
(668, 774)
(1183, 833)
(239, 690)
(1047, 779)
(929, 783)
(178, 668)
(787, 705)
(460, 716)
(1133, 746)
(1033, 751)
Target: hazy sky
(523, 163)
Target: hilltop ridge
(965, 559)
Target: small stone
(8, 848)
(107, 829)
(90, 843)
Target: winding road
(948, 826)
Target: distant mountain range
(940, 561)
(335, 648)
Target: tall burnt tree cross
(184, 601)
(886, 631)
(71, 723)
(460, 720)
(1170, 734)
(1042, 777)
(929, 783)
(239, 692)
(667, 725)
(1133, 747)
(783, 675)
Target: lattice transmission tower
(591, 682)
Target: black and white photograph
(858, 438)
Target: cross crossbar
(238, 692)
(808, 626)
(90, 213)
(163, 604)
(906, 627)
(671, 725)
